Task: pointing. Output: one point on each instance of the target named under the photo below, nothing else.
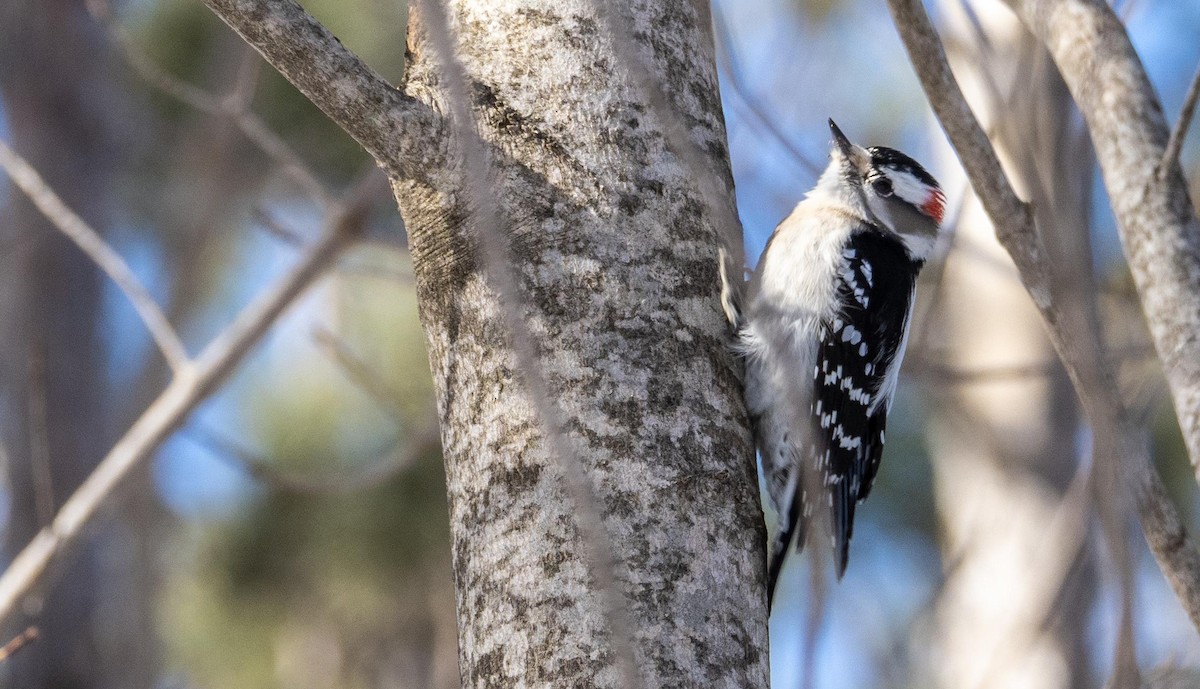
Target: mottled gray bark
(1157, 223)
(615, 263)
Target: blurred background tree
(328, 563)
(61, 105)
(294, 533)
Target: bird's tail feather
(791, 529)
(843, 504)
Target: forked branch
(1155, 219)
(1074, 331)
(380, 117)
(100, 252)
(190, 387)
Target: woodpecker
(823, 330)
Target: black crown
(882, 156)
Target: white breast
(793, 293)
(795, 286)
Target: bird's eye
(882, 186)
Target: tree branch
(91, 243)
(1075, 333)
(358, 371)
(383, 467)
(1155, 218)
(1175, 144)
(18, 642)
(736, 79)
(377, 115)
(231, 106)
(1013, 217)
(187, 390)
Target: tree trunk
(615, 260)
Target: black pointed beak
(840, 139)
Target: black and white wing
(858, 360)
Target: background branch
(398, 456)
(52, 207)
(233, 105)
(736, 79)
(187, 390)
(18, 642)
(358, 372)
(1075, 332)
(379, 117)
(1170, 157)
(1157, 224)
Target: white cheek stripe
(908, 187)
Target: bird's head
(895, 191)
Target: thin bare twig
(496, 254)
(269, 142)
(818, 607)
(39, 438)
(276, 229)
(245, 86)
(397, 275)
(358, 371)
(272, 226)
(52, 207)
(737, 81)
(1061, 546)
(235, 105)
(187, 390)
(382, 119)
(392, 460)
(935, 272)
(1125, 9)
(145, 67)
(1179, 133)
(924, 365)
(18, 642)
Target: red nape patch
(935, 205)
